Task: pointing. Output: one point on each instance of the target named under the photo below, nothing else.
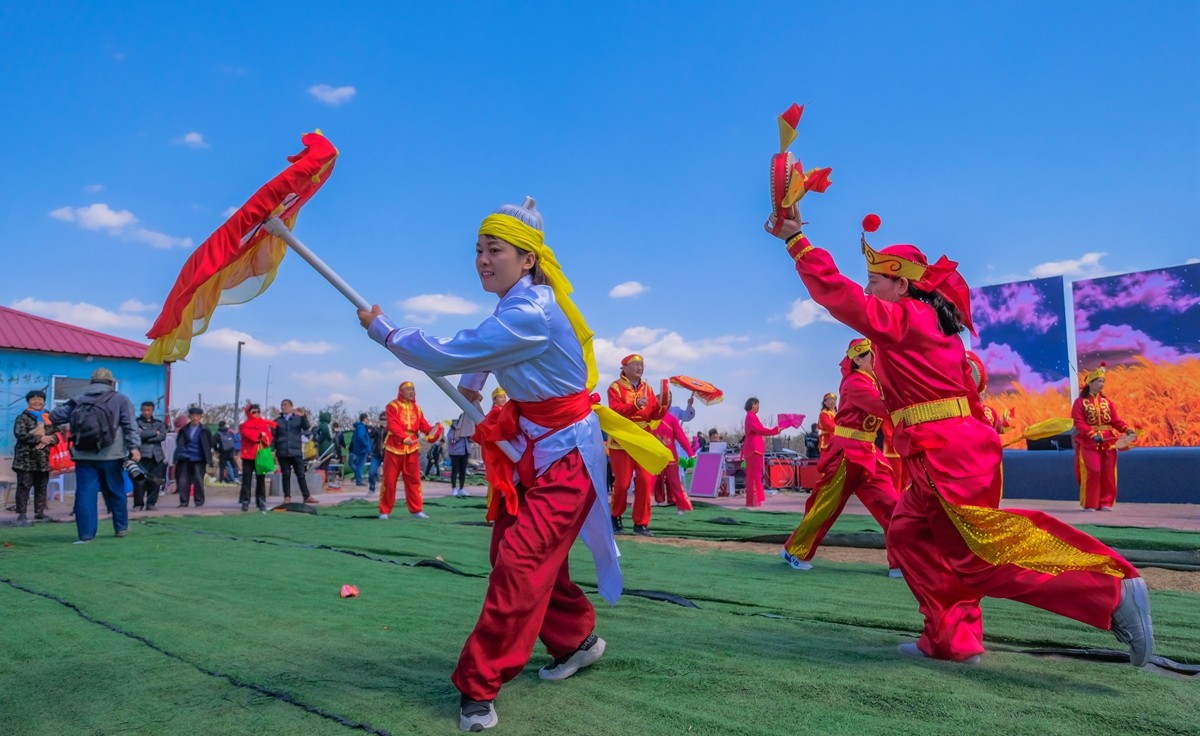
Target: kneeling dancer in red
(540, 349)
(952, 544)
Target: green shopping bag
(264, 461)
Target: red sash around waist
(554, 414)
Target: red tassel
(871, 223)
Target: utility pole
(267, 398)
(237, 389)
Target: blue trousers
(373, 475)
(357, 460)
(93, 477)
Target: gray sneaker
(476, 715)
(585, 656)
(1131, 621)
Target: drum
(780, 473)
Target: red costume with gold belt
(826, 421)
(1097, 429)
(853, 464)
(952, 544)
(402, 456)
(622, 398)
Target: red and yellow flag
(238, 261)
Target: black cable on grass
(231, 679)
(658, 595)
(437, 564)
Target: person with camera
(193, 453)
(105, 439)
(151, 432)
(31, 456)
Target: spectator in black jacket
(193, 453)
(289, 449)
(152, 432)
(377, 433)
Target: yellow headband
(407, 383)
(511, 230)
(1093, 375)
(498, 392)
(830, 395)
(891, 265)
(859, 348)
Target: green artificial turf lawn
(234, 610)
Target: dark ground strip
(438, 564)
(232, 680)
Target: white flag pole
(276, 227)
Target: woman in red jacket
(825, 422)
(753, 449)
(256, 433)
(952, 547)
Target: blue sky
(1023, 139)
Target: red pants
(948, 579)
(1096, 471)
(624, 470)
(754, 480)
(410, 467)
(530, 595)
(877, 491)
(668, 486)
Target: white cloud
(332, 95)
(805, 312)
(774, 347)
(638, 337)
(191, 139)
(93, 188)
(1086, 265)
(426, 308)
(228, 212)
(82, 314)
(134, 305)
(227, 339)
(628, 289)
(98, 216)
(667, 351)
(117, 223)
(1191, 261)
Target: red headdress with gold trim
(907, 261)
(858, 346)
(1097, 373)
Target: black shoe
(21, 520)
(149, 508)
(136, 508)
(245, 506)
(199, 504)
(642, 530)
(183, 505)
(618, 525)
(262, 505)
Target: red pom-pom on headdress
(871, 223)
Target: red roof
(22, 331)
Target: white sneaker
(895, 572)
(585, 656)
(794, 561)
(462, 493)
(420, 515)
(383, 516)
(476, 715)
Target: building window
(63, 388)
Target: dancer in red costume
(402, 455)
(1097, 429)
(539, 347)
(952, 547)
(670, 432)
(826, 421)
(632, 398)
(754, 449)
(499, 399)
(853, 464)
(991, 417)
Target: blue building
(40, 353)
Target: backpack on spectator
(92, 422)
(226, 441)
